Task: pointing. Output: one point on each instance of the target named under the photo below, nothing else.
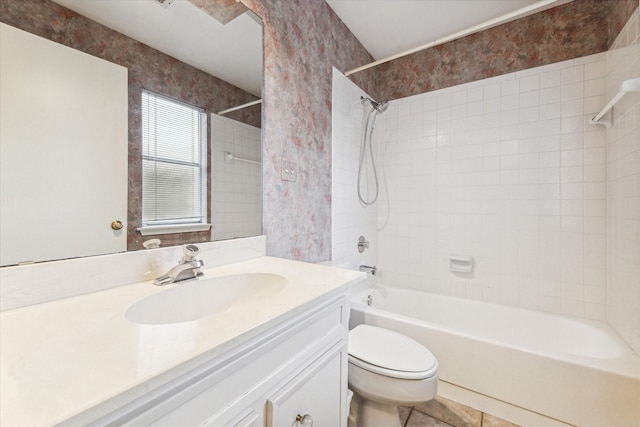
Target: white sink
(195, 299)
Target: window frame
(178, 225)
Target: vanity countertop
(60, 358)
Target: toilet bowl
(387, 369)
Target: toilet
(387, 369)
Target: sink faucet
(188, 268)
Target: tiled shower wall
(508, 171)
(623, 188)
(236, 187)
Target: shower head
(380, 107)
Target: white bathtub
(569, 370)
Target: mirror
(205, 53)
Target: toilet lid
(390, 353)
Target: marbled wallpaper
(149, 69)
(619, 15)
(303, 39)
(579, 28)
(223, 11)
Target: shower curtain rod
(229, 157)
(240, 107)
(536, 7)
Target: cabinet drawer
(316, 391)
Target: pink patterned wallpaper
(579, 28)
(223, 11)
(302, 41)
(149, 69)
(620, 13)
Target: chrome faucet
(188, 268)
(369, 269)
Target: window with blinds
(174, 169)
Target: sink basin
(203, 297)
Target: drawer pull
(304, 420)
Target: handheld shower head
(380, 107)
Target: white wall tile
(510, 190)
(550, 79)
(574, 74)
(507, 170)
(594, 87)
(595, 70)
(571, 91)
(236, 196)
(530, 83)
(509, 87)
(622, 193)
(550, 95)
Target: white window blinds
(174, 171)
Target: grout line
(436, 418)
(481, 419)
(408, 417)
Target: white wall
(623, 188)
(506, 170)
(349, 219)
(236, 187)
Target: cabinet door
(318, 391)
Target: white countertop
(63, 357)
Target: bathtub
(563, 369)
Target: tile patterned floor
(441, 412)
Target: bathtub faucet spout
(369, 269)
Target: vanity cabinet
(311, 393)
(297, 367)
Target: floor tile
(491, 421)
(451, 412)
(403, 413)
(418, 419)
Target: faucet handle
(190, 252)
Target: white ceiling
(231, 52)
(388, 27)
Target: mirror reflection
(206, 54)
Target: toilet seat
(389, 353)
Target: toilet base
(369, 413)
